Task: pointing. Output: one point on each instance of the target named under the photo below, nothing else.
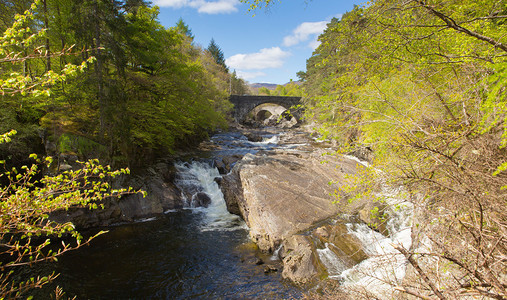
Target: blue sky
(263, 46)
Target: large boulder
(280, 194)
(224, 164)
(300, 262)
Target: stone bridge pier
(246, 103)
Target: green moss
(78, 145)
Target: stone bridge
(244, 104)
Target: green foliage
(258, 4)
(27, 197)
(183, 28)
(422, 84)
(27, 140)
(6, 137)
(264, 91)
(495, 104)
(27, 233)
(238, 86)
(15, 43)
(137, 89)
(73, 144)
(291, 89)
(217, 54)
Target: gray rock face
(300, 263)
(161, 196)
(202, 199)
(282, 194)
(226, 163)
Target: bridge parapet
(246, 103)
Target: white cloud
(249, 75)
(218, 7)
(202, 6)
(303, 32)
(264, 59)
(171, 3)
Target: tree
(27, 235)
(183, 28)
(421, 83)
(217, 54)
(238, 85)
(264, 91)
(301, 75)
(143, 72)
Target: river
(205, 252)
(187, 253)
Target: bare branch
(451, 23)
(411, 292)
(419, 270)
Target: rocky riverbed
(288, 198)
(285, 185)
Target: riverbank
(282, 183)
(290, 198)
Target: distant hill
(254, 87)
(269, 86)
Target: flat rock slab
(279, 194)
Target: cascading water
(333, 263)
(198, 178)
(385, 265)
(201, 251)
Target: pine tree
(217, 54)
(183, 28)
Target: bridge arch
(246, 103)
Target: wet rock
(161, 195)
(342, 243)
(254, 137)
(375, 215)
(220, 165)
(259, 262)
(287, 123)
(218, 180)
(201, 199)
(281, 194)
(300, 263)
(270, 269)
(321, 232)
(226, 163)
(230, 161)
(233, 192)
(271, 121)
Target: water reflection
(169, 259)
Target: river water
(205, 253)
(188, 253)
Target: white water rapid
(384, 266)
(199, 177)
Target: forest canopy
(146, 90)
(417, 87)
(421, 84)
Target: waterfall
(197, 180)
(333, 263)
(385, 264)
